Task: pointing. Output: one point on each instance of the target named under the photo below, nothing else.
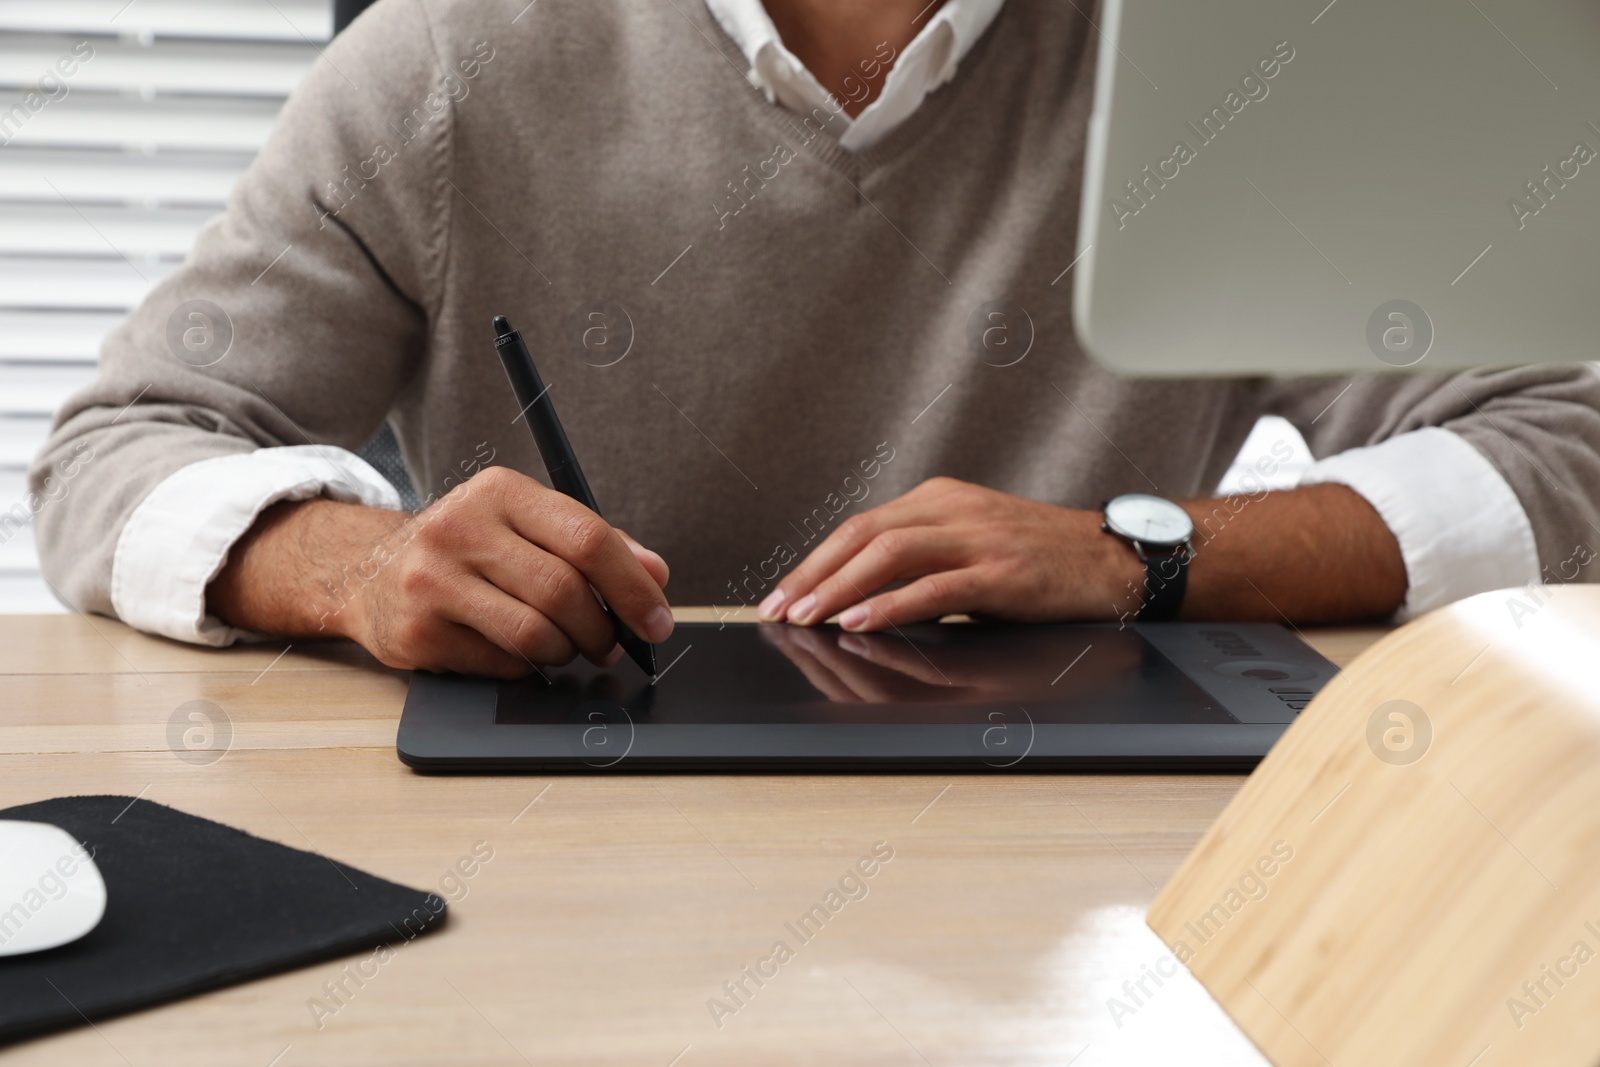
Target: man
(757, 252)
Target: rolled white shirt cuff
(179, 536)
(1461, 528)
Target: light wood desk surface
(614, 908)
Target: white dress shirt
(1460, 526)
(926, 63)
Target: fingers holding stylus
(498, 578)
(522, 631)
(595, 553)
(651, 561)
(434, 642)
(540, 602)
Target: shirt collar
(930, 60)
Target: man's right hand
(492, 579)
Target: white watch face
(1150, 520)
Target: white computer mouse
(51, 892)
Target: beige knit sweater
(749, 332)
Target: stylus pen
(559, 460)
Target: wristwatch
(1159, 532)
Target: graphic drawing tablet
(947, 697)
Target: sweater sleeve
(298, 316)
(1538, 428)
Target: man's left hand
(960, 549)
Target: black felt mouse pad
(193, 905)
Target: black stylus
(559, 460)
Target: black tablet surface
(961, 696)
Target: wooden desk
(614, 908)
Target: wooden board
(1412, 876)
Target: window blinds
(122, 127)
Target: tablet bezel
(448, 725)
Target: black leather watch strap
(1166, 579)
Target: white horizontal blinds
(122, 128)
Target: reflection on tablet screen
(925, 674)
